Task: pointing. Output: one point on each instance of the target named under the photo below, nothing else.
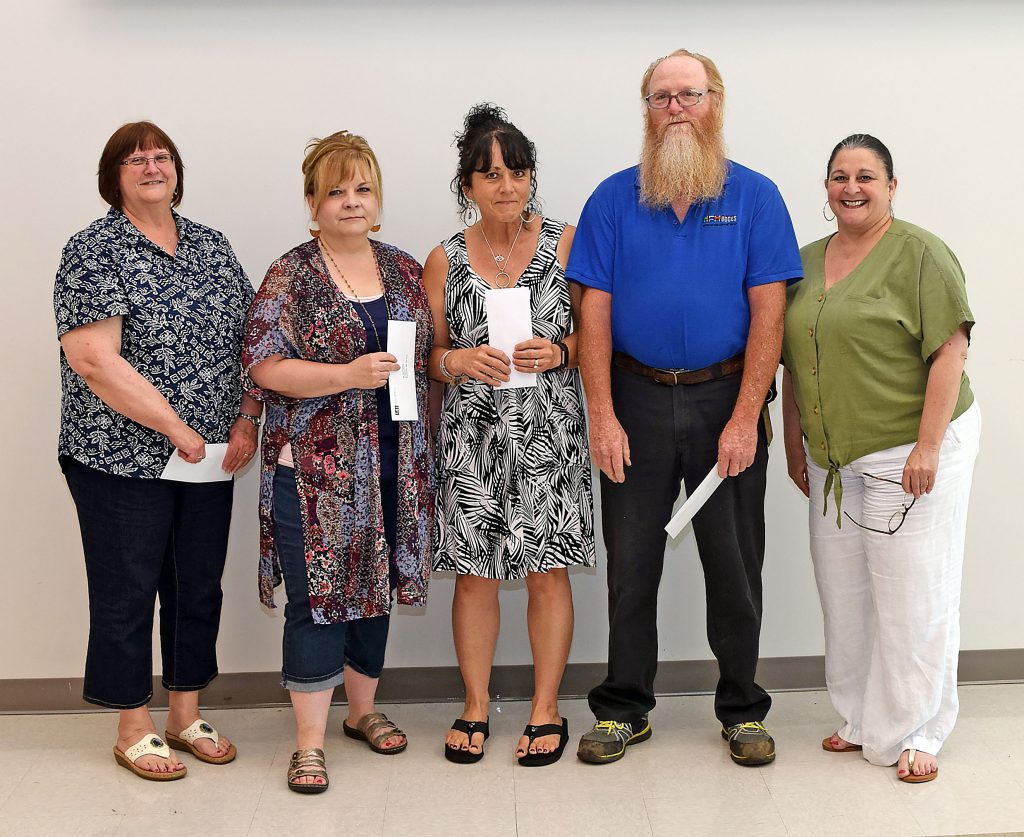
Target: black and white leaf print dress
(514, 492)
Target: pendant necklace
(352, 295)
(501, 262)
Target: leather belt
(674, 377)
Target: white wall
(241, 86)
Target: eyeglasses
(159, 159)
(897, 518)
(686, 99)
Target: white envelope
(402, 384)
(509, 322)
(694, 502)
(209, 470)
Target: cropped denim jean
(145, 539)
(314, 656)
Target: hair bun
(483, 115)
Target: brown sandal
(374, 728)
(309, 762)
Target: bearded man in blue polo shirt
(685, 260)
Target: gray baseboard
(439, 684)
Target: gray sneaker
(749, 743)
(608, 740)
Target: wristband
(565, 356)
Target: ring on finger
(536, 362)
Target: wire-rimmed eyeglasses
(897, 518)
(160, 159)
(685, 99)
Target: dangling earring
(314, 228)
(470, 215)
(892, 215)
(824, 212)
(376, 227)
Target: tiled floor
(58, 777)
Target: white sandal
(186, 741)
(149, 745)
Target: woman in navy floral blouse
(346, 498)
(150, 308)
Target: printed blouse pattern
(300, 313)
(182, 331)
(514, 491)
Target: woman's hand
(191, 446)
(796, 462)
(371, 371)
(920, 470)
(484, 363)
(536, 355)
(243, 440)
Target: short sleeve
(593, 247)
(943, 298)
(773, 255)
(264, 334)
(88, 287)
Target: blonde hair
(333, 160)
(715, 83)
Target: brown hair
(335, 159)
(130, 136)
(715, 83)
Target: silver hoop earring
(470, 215)
(528, 216)
(824, 212)
(892, 215)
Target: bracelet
(253, 420)
(454, 380)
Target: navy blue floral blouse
(182, 331)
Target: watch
(253, 420)
(565, 356)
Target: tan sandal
(374, 728)
(910, 777)
(304, 763)
(186, 741)
(149, 745)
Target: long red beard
(682, 164)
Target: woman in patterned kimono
(514, 498)
(346, 500)
(150, 308)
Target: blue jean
(142, 539)
(314, 656)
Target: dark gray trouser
(673, 434)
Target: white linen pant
(892, 602)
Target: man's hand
(609, 447)
(736, 447)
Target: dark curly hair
(484, 124)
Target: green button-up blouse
(859, 353)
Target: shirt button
(814, 370)
(815, 409)
(821, 297)
(810, 332)
(823, 446)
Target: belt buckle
(675, 373)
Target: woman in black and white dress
(514, 498)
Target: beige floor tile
(854, 810)
(581, 814)
(713, 816)
(452, 815)
(330, 814)
(948, 807)
(180, 823)
(46, 825)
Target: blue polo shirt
(679, 290)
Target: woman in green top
(881, 421)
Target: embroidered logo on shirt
(719, 220)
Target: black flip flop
(460, 756)
(541, 759)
